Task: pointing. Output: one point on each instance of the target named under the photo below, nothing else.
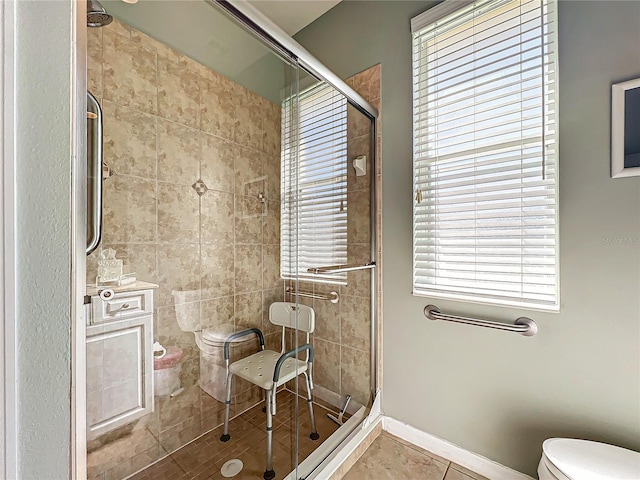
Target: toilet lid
(585, 460)
(218, 335)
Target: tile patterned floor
(391, 458)
(203, 458)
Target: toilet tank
(187, 310)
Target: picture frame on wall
(625, 129)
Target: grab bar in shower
(333, 297)
(523, 325)
(94, 173)
(341, 268)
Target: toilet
(210, 342)
(574, 459)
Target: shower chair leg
(269, 474)
(314, 432)
(225, 437)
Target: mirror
(625, 129)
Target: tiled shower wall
(342, 340)
(169, 122)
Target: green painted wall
(498, 394)
(43, 248)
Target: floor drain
(231, 468)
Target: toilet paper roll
(107, 294)
(158, 350)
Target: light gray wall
(43, 183)
(495, 393)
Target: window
(485, 152)
(314, 205)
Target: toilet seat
(216, 336)
(573, 459)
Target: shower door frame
(281, 42)
(258, 23)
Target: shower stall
(229, 172)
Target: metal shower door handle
(94, 173)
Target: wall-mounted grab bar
(94, 173)
(340, 268)
(522, 325)
(333, 297)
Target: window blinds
(314, 185)
(485, 148)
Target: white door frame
(8, 421)
(78, 243)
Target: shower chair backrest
(284, 314)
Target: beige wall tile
(94, 61)
(326, 366)
(358, 282)
(129, 73)
(129, 140)
(248, 219)
(217, 163)
(367, 83)
(169, 325)
(178, 269)
(356, 322)
(357, 123)
(216, 312)
(355, 374)
(217, 218)
(271, 127)
(248, 268)
(178, 153)
(178, 93)
(271, 267)
(358, 217)
(129, 210)
(138, 258)
(217, 106)
(272, 172)
(190, 372)
(217, 270)
(248, 173)
(248, 310)
(249, 111)
(327, 320)
(271, 223)
(178, 213)
(212, 412)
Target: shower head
(97, 16)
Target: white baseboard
(474, 462)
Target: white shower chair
(268, 369)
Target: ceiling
(293, 15)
